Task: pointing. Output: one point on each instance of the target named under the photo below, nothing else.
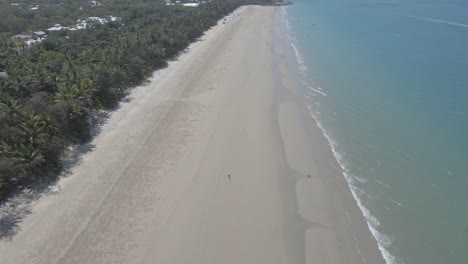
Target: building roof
(55, 28)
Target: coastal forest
(54, 75)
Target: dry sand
(155, 189)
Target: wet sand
(208, 163)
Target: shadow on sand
(20, 203)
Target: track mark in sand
(132, 160)
(111, 189)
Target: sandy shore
(155, 188)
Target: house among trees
(193, 3)
(57, 27)
(39, 34)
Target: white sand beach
(155, 187)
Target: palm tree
(84, 90)
(21, 154)
(28, 155)
(43, 81)
(66, 97)
(9, 106)
(19, 86)
(77, 98)
(34, 129)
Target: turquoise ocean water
(388, 83)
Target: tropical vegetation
(49, 90)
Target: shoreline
(154, 188)
(354, 223)
(370, 235)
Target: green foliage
(53, 86)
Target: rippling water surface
(388, 82)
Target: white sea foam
(395, 202)
(301, 63)
(373, 223)
(383, 241)
(317, 91)
(383, 184)
(299, 57)
(360, 179)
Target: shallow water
(388, 83)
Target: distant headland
(281, 2)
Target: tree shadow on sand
(20, 202)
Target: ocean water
(388, 83)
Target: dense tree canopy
(53, 86)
